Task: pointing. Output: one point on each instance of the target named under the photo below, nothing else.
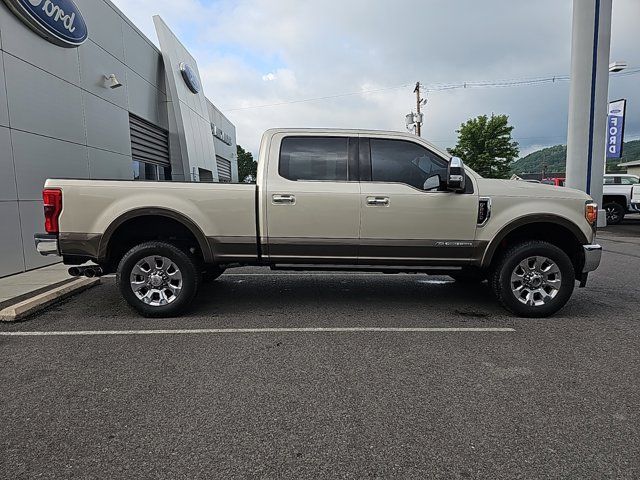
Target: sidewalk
(26, 293)
(24, 283)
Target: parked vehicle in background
(325, 200)
(635, 197)
(617, 196)
(557, 181)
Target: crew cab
(328, 199)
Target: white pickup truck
(618, 196)
(328, 199)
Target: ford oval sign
(190, 77)
(59, 21)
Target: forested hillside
(555, 159)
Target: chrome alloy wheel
(535, 281)
(156, 280)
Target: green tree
(246, 164)
(485, 144)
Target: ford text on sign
(615, 128)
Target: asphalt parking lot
(550, 398)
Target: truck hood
(519, 188)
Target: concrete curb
(32, 305)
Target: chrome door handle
(378, 201)
(283, 199)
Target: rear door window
(314, 158)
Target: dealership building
(85, 94)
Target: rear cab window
(314, 158)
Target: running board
(365, 268)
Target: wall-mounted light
(111, 81)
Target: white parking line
(259, 330)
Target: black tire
(186, 267)
(615, 213)
(500, 279)
(468, 276)
(211, 273)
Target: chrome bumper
(46, 244)
(592, 255)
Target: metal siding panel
(196, 148)
(107, 125)
(41, 103)
(95, 63)
(109, 165)
(105, 26)
(4, 109)
(8, 177)
(142, 97)
(38, 158)
(11, 260)
(142, 57)
(20, 41)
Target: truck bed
(224, 213)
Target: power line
(327, 97)
(439, 87)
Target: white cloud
(268, 52)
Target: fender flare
(158, 212)
(526, 220)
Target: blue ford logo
(190, 77)
(59, 21)
(616, 110)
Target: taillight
(52, 208)
(591, 213)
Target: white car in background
(620, 196)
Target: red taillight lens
(52, 209)
(591, 213)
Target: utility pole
(418, 105)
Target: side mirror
(455, 175)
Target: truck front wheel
(158, 279)
(533, 279)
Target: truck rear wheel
(158, 279)
(615, 213)
(533, 279)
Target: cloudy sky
(253, 54)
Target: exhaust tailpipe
(75, 271)
(89, 271)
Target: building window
(205, 175)
(150, 171)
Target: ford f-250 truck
(328, 199)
